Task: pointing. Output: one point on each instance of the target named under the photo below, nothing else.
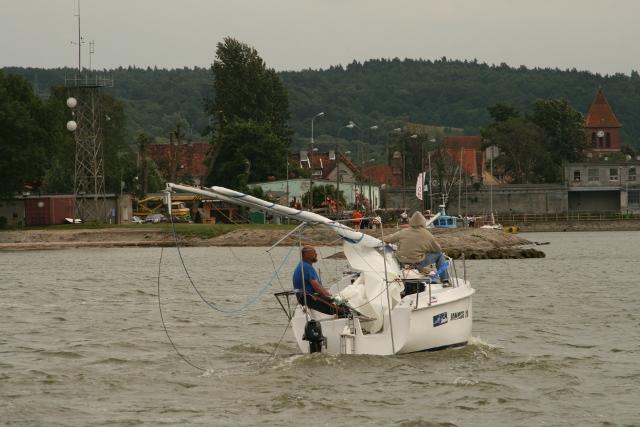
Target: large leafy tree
(251, 112)
(249, 152)
(563, 127)
(534, 147)
(522, 156)
(28, 134)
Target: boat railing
(285, 297)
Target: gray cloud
(599, 36)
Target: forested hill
(382, 92)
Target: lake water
(556, 341)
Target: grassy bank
(203, 231)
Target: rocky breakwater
(479, 243)
(474, 243)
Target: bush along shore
(473, 243)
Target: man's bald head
(309, 254)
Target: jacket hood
(418, 220)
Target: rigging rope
(166, 331)
(215, 307)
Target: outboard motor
(313, 334)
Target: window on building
(576, 176)
(634, 198)
(613, 174)
(593, 139)
(608, 140)
(593, 175)
(632, 173)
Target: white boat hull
(446, 322)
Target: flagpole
(430, 186)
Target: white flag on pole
(420, 186)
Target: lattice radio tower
(84, 101)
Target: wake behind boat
(393, 310)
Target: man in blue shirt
(314, 296)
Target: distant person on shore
(309, 289)
(404, 217)
(417, 246)
(356, 217)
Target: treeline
(382, 92)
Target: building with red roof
(323, 165)
(189, 159)
(602, 127)
(466, 151)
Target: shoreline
(561, 226)
(473, 243)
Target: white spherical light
(72, 125)
(72, 102)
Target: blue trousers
(439, 260)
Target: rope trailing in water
(166, 331)
(215, 307)
(275, 350)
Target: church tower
(602, 128)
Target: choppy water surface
(556, 342)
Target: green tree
(249, 152)
(142, 142)
(251, 112)
(502, 112)
(564, 129)
(119, 156)
(176, 139)
(445, 177)
(28, 134)
(523, 157)
(320, 194)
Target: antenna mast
(79, 43)
(85, 104)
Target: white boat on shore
(394, 310)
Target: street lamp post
(349, 125)
(369, 180)
(287, 173)
(363, 156)
(321, 114)
(424, 200)
(404, 171)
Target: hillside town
(469, 185)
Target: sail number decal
(459, 315)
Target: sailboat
(492, 225)
(386, 317)
(444, 220)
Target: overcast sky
(596, 35)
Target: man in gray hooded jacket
(417, 246)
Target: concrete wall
(593, 201)
(513, 199)
(506, 199)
